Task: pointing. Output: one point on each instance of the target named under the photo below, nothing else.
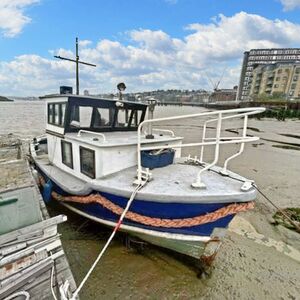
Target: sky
(148, 44)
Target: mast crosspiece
(77, 61)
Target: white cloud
(12, 18)
(84, 43)
(290, 4)
(228, 37)
(154, 59)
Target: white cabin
(91, 138)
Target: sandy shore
(255, 260)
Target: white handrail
(244, 114)
(198, 183)
(164, 130)
(224, 171)
(92, 132)
(246, 140)
(217, 141)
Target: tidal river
(243, 269)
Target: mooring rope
(109, 240)
(296, 225)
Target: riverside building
(256, 57)
(282, 79)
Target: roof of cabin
(77, 98)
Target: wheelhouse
(74, 113)
(91, 137)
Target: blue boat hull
(151, 209)
(158, 210)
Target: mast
(77, 68)
(77, 62)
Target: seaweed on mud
(279, 114)
(293, 213)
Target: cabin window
(128, 118)
(91, 117)
(87, 162)
(67, 154)
(50, 113)
(103, 115)
(56, 113)
(85, 116)
(62, 113)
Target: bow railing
(217, 140)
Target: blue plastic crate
(151, 160)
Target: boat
(97, 154)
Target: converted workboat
(98, 154)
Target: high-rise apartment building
(281, 79)
(256, 57)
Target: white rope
(109, 240)
(51, 282)
(17, 294)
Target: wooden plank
(48, 245)
(11, 249)
(11, 236)
(16, 266)
(15, 256)
(11, 284)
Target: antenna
(77, 61)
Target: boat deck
(169, 184)
(117, 139)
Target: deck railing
(216, 141)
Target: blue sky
(149, 44)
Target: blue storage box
(151, 160)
